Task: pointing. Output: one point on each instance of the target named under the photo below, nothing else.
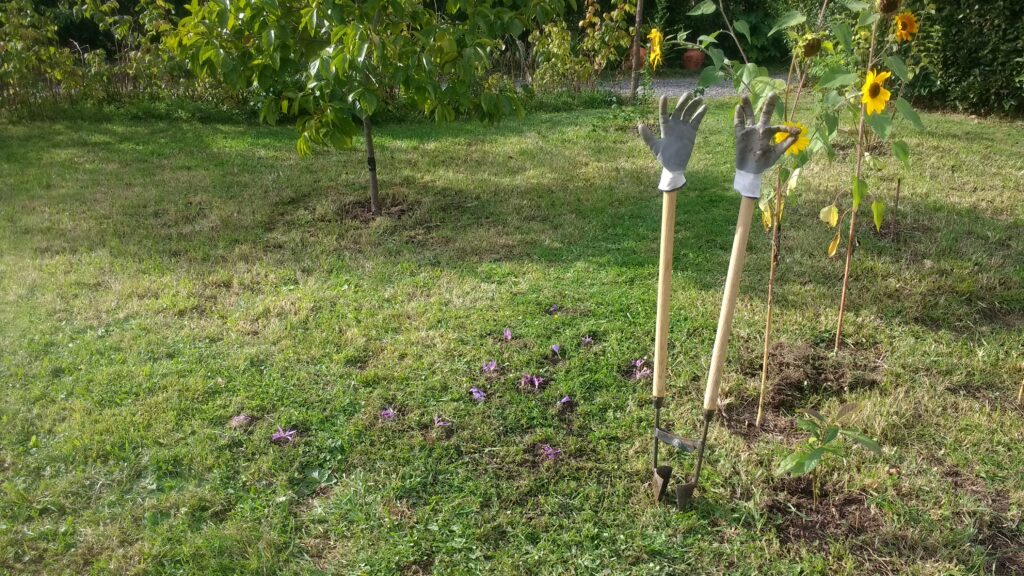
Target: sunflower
(656, 38)
(873, 95)
(802, 140)
(906, 27)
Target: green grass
(157, 278)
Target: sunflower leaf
(705, 7)
(878, 212)
(833, 246)
(908, 112)
(860, 188)
(829, 215)
(742, 27)
(788, 20)
(845, 35)
(902, 152)
(836, 77)
(867, 18)
(895, 63)
(880, 124)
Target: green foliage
(327, 64)
(972, 54)
(825, 439)
(32, 66)
(606, 37)
(558, 67)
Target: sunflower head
(874, 96)
(888, 7)
(906, 27)
(656, 38)
(802, 139)
(811, 46)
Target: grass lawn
(158, 278)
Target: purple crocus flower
(566, 400)
(490, 367)
(507, 334)
(553, 309)
(531, 383)
(388, 414)
(555, 349)
(441, 422)
(587, 341)
(478, 394)
(640, 369)
(549, 453)
(283, 436)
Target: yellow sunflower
(873, 95)
(906, 27)
(802, 140)
(656, 38)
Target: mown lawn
(158, 278)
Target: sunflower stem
(853, 212)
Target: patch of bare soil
(999, 534)
(740, 417)
(797, 372)
(845, 515)
(359, 210)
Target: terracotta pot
(693, 60)
(628, 65)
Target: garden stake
(684, 492)
(756, 152)
(673, 150)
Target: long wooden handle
(732, 288)
(668, 230)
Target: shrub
(972, 53)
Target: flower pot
(693, 60)
(627, 64)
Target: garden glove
(678, 133)
(756, 150)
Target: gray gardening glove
(678, 133)
(756, 150)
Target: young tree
(331, 64)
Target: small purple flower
(478, 394)
(441, 422)
(587, 341)
(531, 383)
(388, 414)
(490, 367)
(555, 349)
(566, 400)
(640, 369)
(639, 362)
(549, 453)
(553, 310)
(283, 436)
(507, 334)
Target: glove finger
(691, 108)
(684, 101)
(663, 111)
(769, 108)
(739, 119)
(781, 147)
(698, 116)
(748, 111)
(649, 138)
(773, 130)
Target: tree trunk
(634, 52)
(371, 164)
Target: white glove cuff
(747, 184)
(671, 180)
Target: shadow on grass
(551, 189)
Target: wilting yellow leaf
(878, 211)
(782, 207)
(834, 246)
(766, 219)
(829, 215)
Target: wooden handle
(732, 288)
(668, 225)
